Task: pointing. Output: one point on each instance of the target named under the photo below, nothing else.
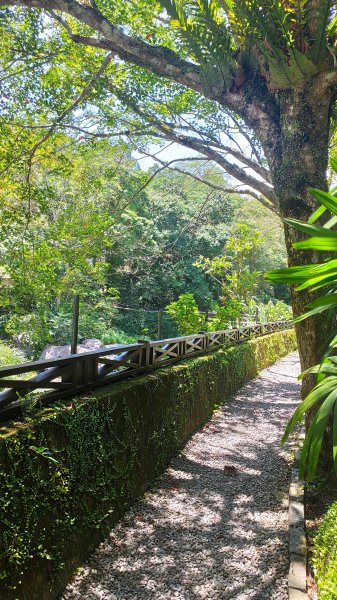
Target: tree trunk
(300, 160)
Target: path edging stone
(297, 578)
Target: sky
(173, 152)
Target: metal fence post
(160, 323)
(74, 324)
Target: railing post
(205, 342)
(182, 348)
(146, 353)
(77, 374)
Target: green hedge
(69, 474)
(325, 556)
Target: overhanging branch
(159, 59)
(239, 173)
(212, 185)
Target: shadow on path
(202, 533)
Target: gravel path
(215, 527)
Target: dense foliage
(94, 229)
(325, 556)
(10, 355)
(237, 83)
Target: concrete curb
(297, 578)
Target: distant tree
(267, 68)
(233, 269)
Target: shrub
(225, 315)
(10, 355)
(325, 556)
(186, 314)
(314, 277)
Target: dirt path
(215, 527)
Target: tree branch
(247, 138)
(214, 186)
(259, 108)
(159, 59)
(74, 104)
(31, 152)
(232, 169)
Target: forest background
(102, 227)
(84, 211)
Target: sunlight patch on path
(215, 528)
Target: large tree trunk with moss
(300, 161)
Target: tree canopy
(205, 74)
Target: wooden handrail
(69, 376)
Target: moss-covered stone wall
(69, 473)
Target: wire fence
(134, 322)
(77, 318)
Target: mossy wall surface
(108, 447)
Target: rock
(230, 470)
(89, 345)
(297, 594)
(22, 342)
(52, 351)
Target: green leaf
(330, 223)
(334, 438)
(318, 243)
(311, 313)
(326, 280)
(325, 198)
(305, 449)
(322, 280)
(329, 300)
(316, 395)
(319, 428)
(313, 230)
(322, 11)
(300, 65)
(333, 160)
(317, 214)
(293, 274)
(324, 367)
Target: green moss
(325, 556)
(68, 474)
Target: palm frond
(274, 27)
(321, 15)
(202, 24)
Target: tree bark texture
(300, 161)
